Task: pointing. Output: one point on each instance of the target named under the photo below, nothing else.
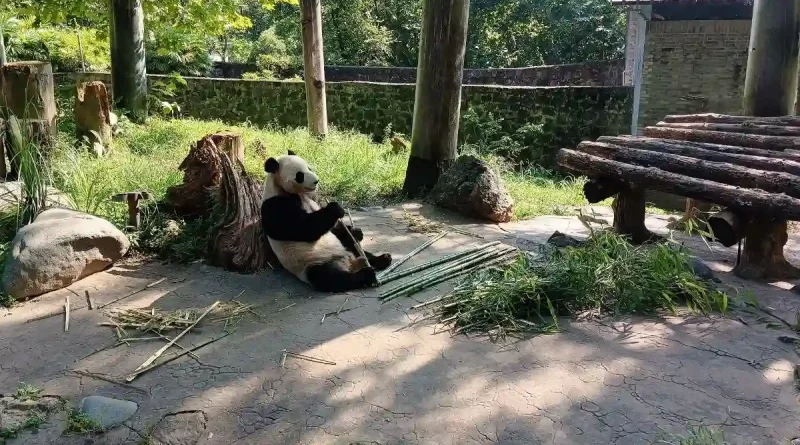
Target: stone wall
(692, 67)
(586, 74)
(535, 122)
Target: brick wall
(693, 67)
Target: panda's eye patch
(299, 177)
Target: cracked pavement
(609, 381)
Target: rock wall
(522, 122)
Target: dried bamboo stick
(66, 313)
(135, 374)
(158, 353)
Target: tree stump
(28, 92)
(93, 114)
(762, 254)
(629, 213)
(202, 172)
(236, 241)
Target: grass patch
(26, 392)
(701, 435)
(606, 275)
(33, 423)
(80, 423)
(354, 171)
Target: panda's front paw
(335, 210)
(358, 234)
(369, 276)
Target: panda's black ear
(291, 153)
(271, 166)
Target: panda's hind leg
(334, 277)
(379, 262)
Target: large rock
(107, 412)
(59, 248)
(472, 188)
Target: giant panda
(309, 240)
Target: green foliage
(606, 275)
(59, 45)
(26, 392)
(170, 52)
(701, 435)
(80, 423)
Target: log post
(128, 71)
(437, 106)
(629, 213)
(314, 67)
(770, 90)
(93, 114)
(28, 92)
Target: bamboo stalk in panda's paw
(355, 241)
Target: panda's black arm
(283, 219)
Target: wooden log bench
(750, 166)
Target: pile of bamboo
(750, 165)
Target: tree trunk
(785, 121)
(128, 70)
(659, 145)
(236, 241)
(314, 67)
(629, 213)
(751, 129)
(756, 162)
(721, 137)
(747, 201)
(3, 170)
(722, 172)
(3, 58)
(28, 92)
(438, 95)
(770, 90)
(202, 173)
(93, 114)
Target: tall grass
(607, 275)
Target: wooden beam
(128, 70)
(437, 106)
(314, 67)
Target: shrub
(60, 47)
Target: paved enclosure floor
(613, 381)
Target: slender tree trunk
(3, 59)
(128, 70)
(314, 67)
(770, 90)
(437, 106)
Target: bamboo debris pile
(446, 268)
(158, 322)
(749, 165)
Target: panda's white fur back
(298, 256)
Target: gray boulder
(471, 188)
(108, 412)
(59, 248)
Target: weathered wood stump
(28, 91)
(629, 213)
(93, 115)
(202, 172)
(236, 242)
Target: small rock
(470, 187)
(183, 428)
(108, 412)
(559, 239)
(59, 248)
(789, 339)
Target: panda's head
(291, 174)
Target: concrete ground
(612, 381)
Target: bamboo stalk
(436, 262)
(448, 271)
(410, 255)
(469, 259)
(135, 374)
(154, 283)
(309, 358)
(450, 275)
(158, 353)
(66, 313)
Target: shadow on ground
(614, 381)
